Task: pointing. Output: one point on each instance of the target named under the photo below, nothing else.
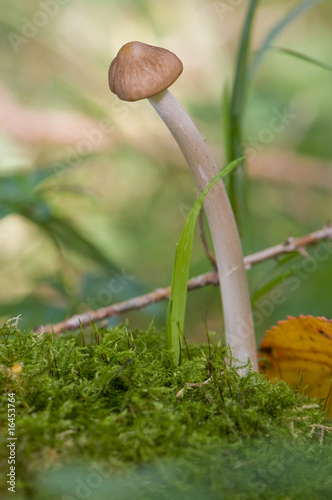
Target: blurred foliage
(93, 189)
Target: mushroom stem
(239, 328)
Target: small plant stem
(239, 328)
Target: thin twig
(321, 431)
(201, 233)
(192, 384)
(210, 278)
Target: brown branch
(210, 278)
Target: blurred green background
(94, 192)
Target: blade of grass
(276, 275)
(270, 285)
(237, 186)
(225, 125)
(23, 194)
(303, 57)
(240, 84)
(65, 235)
(178, 294)
(291, 16)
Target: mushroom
(140, 71)
(143, 71)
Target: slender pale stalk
(239, 328)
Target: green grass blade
(291, 16)
(276, 275)
(303, 57)
(226, 132)
(240, 83)
(263, 290)
(65, 235)
(178, 294)
(237, 184)
(23, 194)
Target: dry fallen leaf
(299, 351)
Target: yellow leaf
(299, 351)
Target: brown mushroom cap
(140, 71)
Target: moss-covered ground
(108, 415)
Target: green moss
(108, 403)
